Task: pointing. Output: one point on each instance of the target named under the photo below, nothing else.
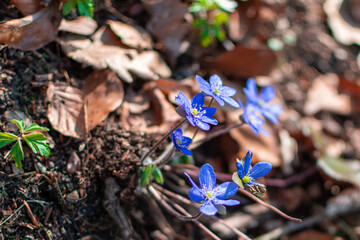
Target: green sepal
(17, 154)
(36, 127)
(158, 176)
(35, 142)
(6, 138)
(20, 124)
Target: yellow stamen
(246, 179)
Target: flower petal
(191, 120)
(228, 202)
(210, 120)
(225, 190)
(209, 111)
(260, 169)
(231, 102)
(207, 177)
(204, 85)
(218, 99)
(186, 151)
(267, 93)
(228, 91)
(186, 140)
(240, 170)
(195, 193)
(180, 110)
(251, 90)
(202, 125)
(247, 162)
(271, 111)
(208, 208)
(198, 100)
(215, 81)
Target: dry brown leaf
(66, 111)
(167, 24)
(104, 93)
(82, 26)
(121, 61)
(323, 95)
(132, 36)
(342, 20)
(34, 31)
(244, 61)
(27, 7)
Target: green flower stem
(157, 144)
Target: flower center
(246, 179)
(197, 112)
(178, 141)
(261, 103)
(208, 195)
(216, 91)
(194, 111)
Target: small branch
(271, 207)
(168, 207)
(235, 230)
(157, 144)
(31, 215)
(164, 157)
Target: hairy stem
(157, 144)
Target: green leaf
(195, 7)
(341, 169)
(221, 18)
(6, 138)
(67, 7)
(20, 124)
(17, 154)
(35, 127)
(85, 7)
(227, 5)
(158, 176)
(146, 175)
(37, 144)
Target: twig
(180, 209)
(156, 194)
(164, 157)
(187, 201)
(271, 207)
(292, 227)
(156, 145)
(31, 215)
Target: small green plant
(31, 136)
(149, 172)
(210, 16)
(84, 7)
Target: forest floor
(89, 186)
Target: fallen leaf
(27, 7)
(81, 25)
(122, 61)
(341, 21)
(323, 95)
(341, 169)
(33, 31)
(168, 26)
(66, 111)
(244, 61)
(73, 163)
(104, 93)
(132, 36)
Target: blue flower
(180, 142)
(269, 111)
(254, 121)
(249, 174)
(216, 90)
(209, 194)
(196, 114)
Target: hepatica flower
(247, 175)
(216, 90)
(196, 114)
(262, 100)
(252, 119)
(209, 194)
(181, 142)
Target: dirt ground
(89, 187)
